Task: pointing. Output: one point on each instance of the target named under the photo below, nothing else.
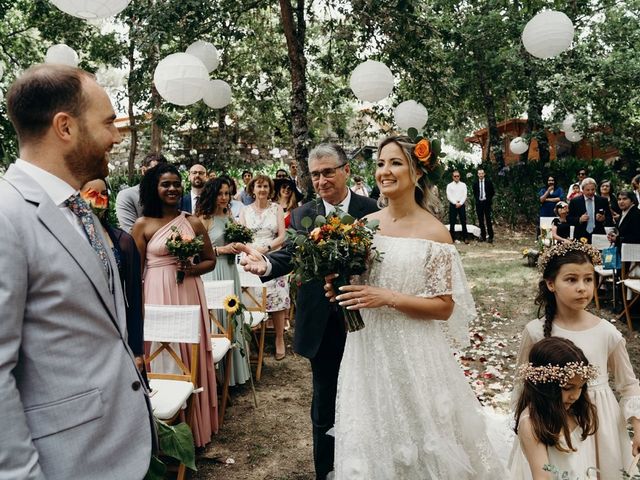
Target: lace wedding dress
(404, 407)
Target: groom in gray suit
(73, 403)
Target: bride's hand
(355, 297)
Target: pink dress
(160, 288)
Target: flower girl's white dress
(578, 465)
(404, 407)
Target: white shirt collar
(328, 208)
(56, 188)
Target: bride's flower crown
(561, 249)
(557, 374)
(428, 152)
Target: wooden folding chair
(173, 392)
(256, 315)
(222, 343)
(600, 242)
(629, 252)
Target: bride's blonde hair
(423, 195)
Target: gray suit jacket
(128, 208)
(72, 402)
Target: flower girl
(555, 420)
(565, 290)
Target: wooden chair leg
(182, 472)
(222, 407)
(263, 331)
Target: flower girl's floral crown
(561, 249)
(428, 152)
(555, 373)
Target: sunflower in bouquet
(338, 243)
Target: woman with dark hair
(287, 196)
(214, 213)
(560, 228)
(235, 206)
(96, 194)
(404, 408)
(607, 192)
(160, 196)
(628, 221)
(266, 219)
(555, 420)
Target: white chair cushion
(254, 318)
(603, 272)
(219, 348)
(632, 284)
(169, 396)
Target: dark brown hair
(547, 413)
(546, 298)
(208, 201)
(42, 92)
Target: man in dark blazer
(197, 177)
(320, 332)
(483, 193)
(589, 213)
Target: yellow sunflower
(231, 304)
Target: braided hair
(546, 298)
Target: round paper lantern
(572, 136)
(62, 54)
(1, 70)
(411, 114)
(568, 122)
(217, 94)
(518, 145)
(90, 9)
(206, 52)
(181, 78)
(371, 81)
(255, 151)
(284, 152)
(548, 34)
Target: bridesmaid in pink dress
(160, 194)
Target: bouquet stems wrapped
(184, 248)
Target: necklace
(395, 219)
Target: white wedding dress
(404, 408)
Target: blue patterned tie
(80, 208)
(591, 223)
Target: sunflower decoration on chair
(235, 310)
(429, 153)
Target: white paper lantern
(206, 52)
(284, 153)
(548, 34)
(411, 114)
(1, 70)
(217, 94)
(181, 79)
(255, 151)
(572, 136)
(518, 145)
(62, 54)
(569, 122)
(90, 9)
(371, 81)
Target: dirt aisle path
(273, 442)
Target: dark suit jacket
(185, 203)
(489, 191)
(577, 208)
(629, 228)
(312, 307)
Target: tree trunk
(294, 32)
(494, 145)
(133, 125)
(534, 112)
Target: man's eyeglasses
(326, 172)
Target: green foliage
(175, 441)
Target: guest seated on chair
(560, 228)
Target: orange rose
(316, 234)
(423, 150)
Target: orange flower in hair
(423, 151)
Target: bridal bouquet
(234, 232)
(184, 248)
(338, 244)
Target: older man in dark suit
(320, 332)
(589, 213)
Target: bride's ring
(359, 301)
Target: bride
(404, 407)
